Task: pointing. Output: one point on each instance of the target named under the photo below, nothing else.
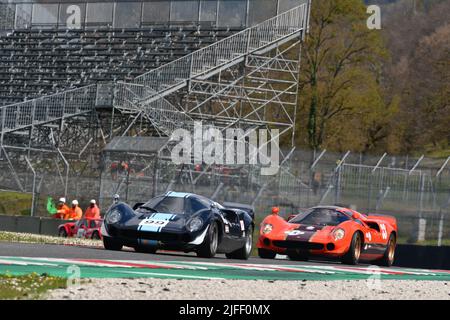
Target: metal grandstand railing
(164, 116)
(208, 61)
(156, 84)
(222, 53)
(47, 109)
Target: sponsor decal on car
(294, 232)
(155, 222)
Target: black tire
(246, 250)
(95, 236)
(389, 254)
(62, 233)
(111, 244)
(298, 255)
(266, 254)
(354, 252)
(209, 246)
(145, 249)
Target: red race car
(83, 228)
(329, 231)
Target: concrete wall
(427, 257)
(36, 225)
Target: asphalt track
(95, 262)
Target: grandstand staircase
(146, 93)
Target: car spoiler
(244, 207)
(390, 219)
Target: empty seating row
(39, 62)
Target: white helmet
(75, 202)
(93, 201)
(63, 200)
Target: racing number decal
(383, 231)
(154, 223)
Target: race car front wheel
(354, 252)
(209, 246)
(244, 252)
(111, 244)
(266, 254)
(388, 258)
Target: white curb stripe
(172, 275)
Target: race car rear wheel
(209, 246)
(389, 254)
(354, 252)
(244, 252)
(111, 244)
(62, 233)
(266, 254)
(297, 255)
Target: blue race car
(180, 222)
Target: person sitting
(75, 212)
(62, 209)
(93, 212)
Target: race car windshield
(320, 216)
(174, 205)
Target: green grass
(31, 286)
(15, 203)
(18, 203)
(434, 242)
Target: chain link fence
(414, 190)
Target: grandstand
(75, 78)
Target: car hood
(305, 232)
(155, 222)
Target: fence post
(337, 172)
(67, 172)
(34, 186)
(441, 229)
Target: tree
(340, 53)
(419, 73)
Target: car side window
(153, 202)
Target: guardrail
(35, 225)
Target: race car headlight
(267, 228)
(338, 234)
(114, 217)
(195, 224)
